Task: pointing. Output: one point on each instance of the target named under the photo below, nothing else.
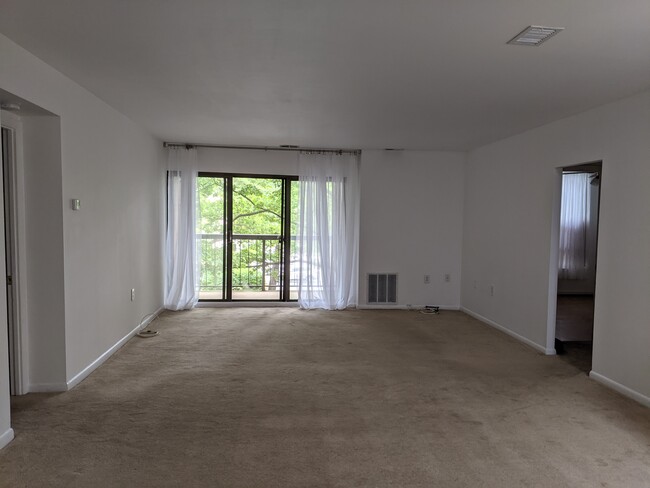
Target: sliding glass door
(211, 223)
(257, 230)
(242, 226)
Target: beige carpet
(288, 398)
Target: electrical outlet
(132, 294)
(427, 279)
(447, 277)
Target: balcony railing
(256, 262)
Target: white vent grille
(534, 35)
(382, 288)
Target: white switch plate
(427, 279)
(132, 294)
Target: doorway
(13, 331)
(245, 229)
(577, 257)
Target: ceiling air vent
(534, 35)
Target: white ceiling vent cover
(534, 35)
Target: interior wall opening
(576, 267)
(32, 189)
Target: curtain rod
(264, 148)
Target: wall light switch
(427, 279)
(76, 204)
(132, 294)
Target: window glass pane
(211, 232)
(294, 264)
(256, 247)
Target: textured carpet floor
(289, 398)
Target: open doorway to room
(577, 252)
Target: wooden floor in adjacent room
(574, 330)
(575, 318)
(256, 397)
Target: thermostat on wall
(76, 204)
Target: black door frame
(285, 238)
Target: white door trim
(13, 122)
(553, 258)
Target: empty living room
(283, 243)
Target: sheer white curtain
(574, 220)
(181, 250)
(328, 230)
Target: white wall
(114, 243)
(43, 273)
(411, 223)
(511, 187)
(248, 161)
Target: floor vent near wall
(382, 288)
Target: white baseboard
(623, 390)
(6, 438)
(295, 305)
(47, 387)
(83, 374)
(365, 306)
(525, 340)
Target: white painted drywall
(411, 223)
(114, 243)
(44, 322)
(248, 161)
(510, 188)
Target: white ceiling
(418, 74)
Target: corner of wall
(6, 437)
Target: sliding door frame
(227, 249)
(285, 241)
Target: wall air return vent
(534, 35)
(382, 288)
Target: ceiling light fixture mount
(534, 35)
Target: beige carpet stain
(255, 397)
